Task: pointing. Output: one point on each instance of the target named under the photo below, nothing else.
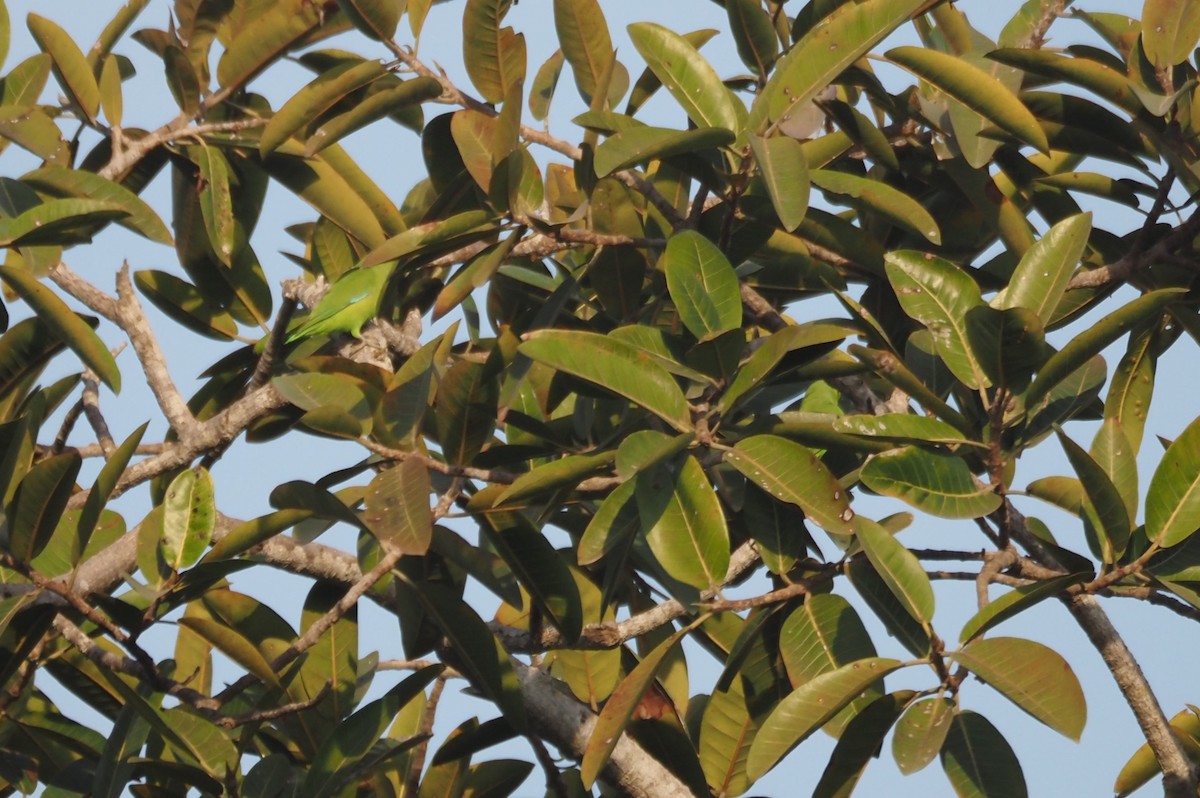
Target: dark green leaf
(979, 762)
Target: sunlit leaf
(1173, 498)
(898, 567)
(940, 484)
(792, 473)
(809, 707)
(686, 74)
(939, 294)
(920, 733)
(73, 330)
(618, 711)
(614, 365)
(702, 284)
(784, 168)
(974, 88)
(1035, 678)
(189, 517)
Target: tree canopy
(667, 357)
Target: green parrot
(352, 301)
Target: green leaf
(541, 92)
(702, 285)
(478, 653)
(300, 495)
(376, 18)
(793, 473)
(1170, 29)
(39, 502)
(70, 67)
(5, 32)
(1040, 278)
(1035, 678)
(1104, 508)
(250, 533)
(809, 707)
(903, 428)
(77, 183)
(564, 472)
(189, 518)
(940, 484)
(1015, 601)
(754, 35)
(859, 744)
(201, 740)
(1085, 73)
(332, 186)
(354, 737)
(974, 88)
(890, 203)
(642, 144)
(686, 74)
(1143, 765)
(614, 365)
(616, 521)
(476, 273)
(216, 202)
(979, 762)
(1132, 387)
(397, 507)
(821, 635)
(618, 710)
(234, 645)
(726, 731)
(824, 53)
(533, 560)
(585, 41)
(784, 168)
(1009, 344)
(1173, 498)
(899, 568)
(494, 56)
(920, 733)
(466, 410)
(278, 28)
(939, 294)
(381, 100)
(814, 337)
(102, 488)
(186, 304)
(76, 332)
(315, 99)
(684, 523)
(1091, 341)
(58, 221)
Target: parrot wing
(351, 302)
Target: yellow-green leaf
(974, 88)
(615, 366)
(809, 707)
(76, 332)
(792, 473)
(70, 66)
(1034, 677)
